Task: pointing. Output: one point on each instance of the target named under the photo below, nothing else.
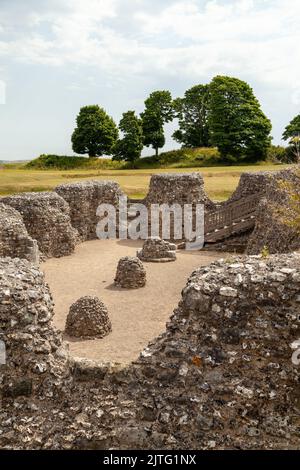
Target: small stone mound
(88, 318)
(156, 250)
(131, 273)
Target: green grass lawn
(220, 182)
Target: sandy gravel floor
(137, 316)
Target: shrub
(63, 162)
(277, 154)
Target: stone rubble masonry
(220, 377)
(14, 239)
(37, 360)
(84, 199)
(88, 318)
(250, 184)
(47, 219)
(275, 226)
(156, 250)
(180, 188)
(130, 274)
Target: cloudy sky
(58, 55)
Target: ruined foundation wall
(180, 189)
(221, 376)
(14, 239)
(250, 184)
(184, 188)
(277, 224)
(84, 199)
(36, 361)
(47, 219)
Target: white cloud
(138, 44)
(257, 38)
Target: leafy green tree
(192, 112)
(158, 111)
(129, 148)
(292, 134)
(238, 126)
(96, 132)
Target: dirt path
(137, 316)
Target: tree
(192, 112)
(96, 132)
(158, 111)
(292, 134)
(129, 148)
(238, 126)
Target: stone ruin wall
(47, 219)
(220, 377)
(180, 188)
(14, 239)
(177, 188)
(275, 226)
(55, 219)
(83, 199)
(36, 360)
(250, 184)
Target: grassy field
(220, 182)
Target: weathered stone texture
(130, 274)
(275, 226)
(88, 318)
(249, 184)
(84, 199)
(185, 188)
(220, 377)
(36, 358)
(157, 250)
(47, 220)
(14, 239)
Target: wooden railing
(233, 212)
(234, 217)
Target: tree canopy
(158, 111)
(192, 112)
(292, 134)
(237, 125)
(96, 132)
(129, 148)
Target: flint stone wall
(276, 215)
(184, 188)
(36, 358)
(84, 199)
(14, 239)
(250, 184)
(220, 377)
(47, 219)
